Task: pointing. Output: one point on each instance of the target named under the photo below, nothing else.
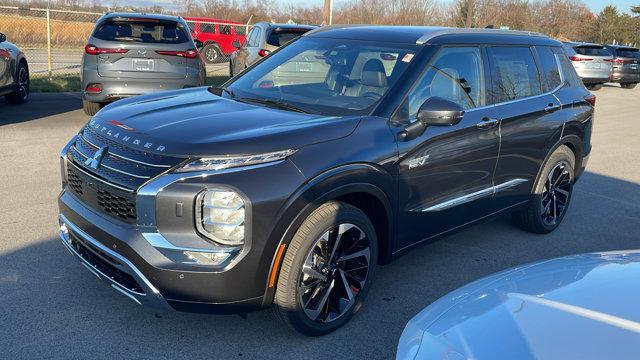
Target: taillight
(263, 52)
(591, 99)
(577, 58)
(93, 89)
(189, 54)
(94, 50)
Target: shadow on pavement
(51, 305)
(40, 105)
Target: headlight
(220, 216)
(225, 162)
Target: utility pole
(470, 9)
(327, 12)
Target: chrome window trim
(473, 196)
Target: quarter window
(455, 74)
(549, 68)
(516, 74)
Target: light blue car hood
(577, 307)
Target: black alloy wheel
(556, 194)
(334, 273)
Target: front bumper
(110, 266)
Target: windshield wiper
(217, 90)
(274, 103)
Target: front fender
(332, 184)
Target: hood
(195, 122)
(583, 306)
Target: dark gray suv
(130, 54)
(288, 188)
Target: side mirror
(436, 111)
(199, 44)
(236, 44)
(3, 37)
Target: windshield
(326, 76)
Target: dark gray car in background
(130, 54)
(14, 72)
(263, 38)
(626, 65)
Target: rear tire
(551, 195)
(327, 269)
(594, 87)
(21, 94)
(628, 85)
(212, 54)
(91, 108)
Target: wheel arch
(365, 186)
(574, 143)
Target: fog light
(220, 216)
(207, 258)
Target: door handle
(551, 108)
(487, 123)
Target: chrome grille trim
(111, 168)
(76, 167)
(81, 136)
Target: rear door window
(592, 50)
(515, 73)
(154, 32)
(549, 68)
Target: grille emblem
(94, 161)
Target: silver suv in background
(626, 65)
(593, 63)
(131, 54)
(14, 72)
(263, 38)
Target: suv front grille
(111, 186)
(101, 196)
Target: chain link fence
(53, 40)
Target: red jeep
(217, 36)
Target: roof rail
(448, 31)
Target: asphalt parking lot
(51, 307)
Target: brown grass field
(31, 32)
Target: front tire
(551, 196)
(628, 85)
(21, 94)
(327, 270)
(91, 108)
(594, 87)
